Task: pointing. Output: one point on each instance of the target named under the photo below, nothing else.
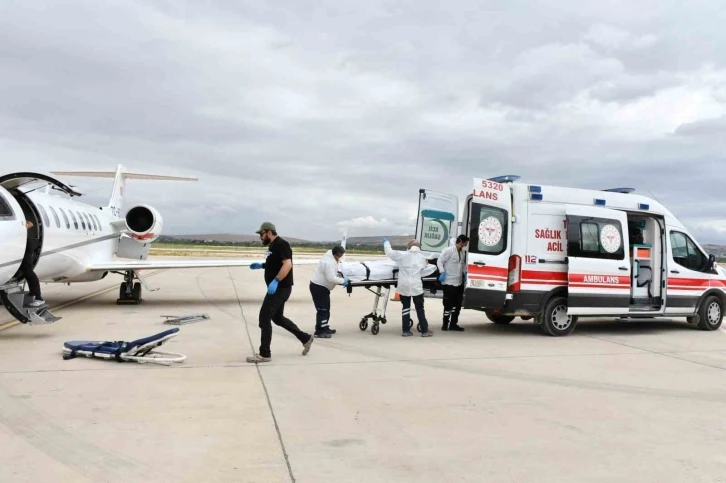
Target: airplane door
(599, 281)
(13, 236)
(437, 221)
(490, 245)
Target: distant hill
(396, 240)
(225, 238)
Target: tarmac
(615, 401)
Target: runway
(626, 402)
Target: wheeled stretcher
(379, 277)
(140, 350)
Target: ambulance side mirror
(712, 263)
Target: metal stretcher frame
(382, 290)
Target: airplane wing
(122, 265)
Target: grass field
(210, 250)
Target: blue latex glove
(442, 277)
(272, 288)
(384, 240)
(255, 266)
(346, 282)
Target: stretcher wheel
(410, 324)
(383, 320)
(363, 324)
(418, 327)
(375, 329)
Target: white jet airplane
(78, 242)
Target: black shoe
(456, 328)
(323, 335)
(331, 331)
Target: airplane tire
(122, 291)
(710, 313)
(554, 318)
(136, 293)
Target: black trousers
(31, 277)
(273, 310)
(321, 299)
(453, 297)
(418, 301)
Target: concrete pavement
(626, 402)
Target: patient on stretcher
(370, 270)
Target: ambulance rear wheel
(710, 314)
(555, 321)
(499, 319)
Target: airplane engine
(144, 223)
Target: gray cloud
(318, 114)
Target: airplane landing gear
(129, 292)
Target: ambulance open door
(437, 221)
(598, 261)
(491, 272)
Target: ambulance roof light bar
(620, 190)
(509, 178)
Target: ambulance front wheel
(710, 313)
(554, 318)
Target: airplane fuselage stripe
(67, 247)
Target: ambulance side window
(589, 237)
(488, 231)
(686, 253)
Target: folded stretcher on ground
(140, 350)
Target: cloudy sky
(316, 114)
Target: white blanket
(376, 270)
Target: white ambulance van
(554, 254)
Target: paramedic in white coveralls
(322, 282)
(451, 265)
(412, 267)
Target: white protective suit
(326, 273)
(412, 267)
(451, 262)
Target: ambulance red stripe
(496, 271)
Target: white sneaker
(37, 303)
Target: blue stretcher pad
(141, 350)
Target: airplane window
(75, 222)
(88, 220)
(55, 216)
(6, 213)
(83, 223)
(43, 213)
(98, 222)
(65, 217)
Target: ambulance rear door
(598, 261)
(490, 245)
(437, 221)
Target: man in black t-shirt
(279, 281)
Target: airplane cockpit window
(6, 213)
(46, 220)
(75, 222)
(55, 216)
(65, 217)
